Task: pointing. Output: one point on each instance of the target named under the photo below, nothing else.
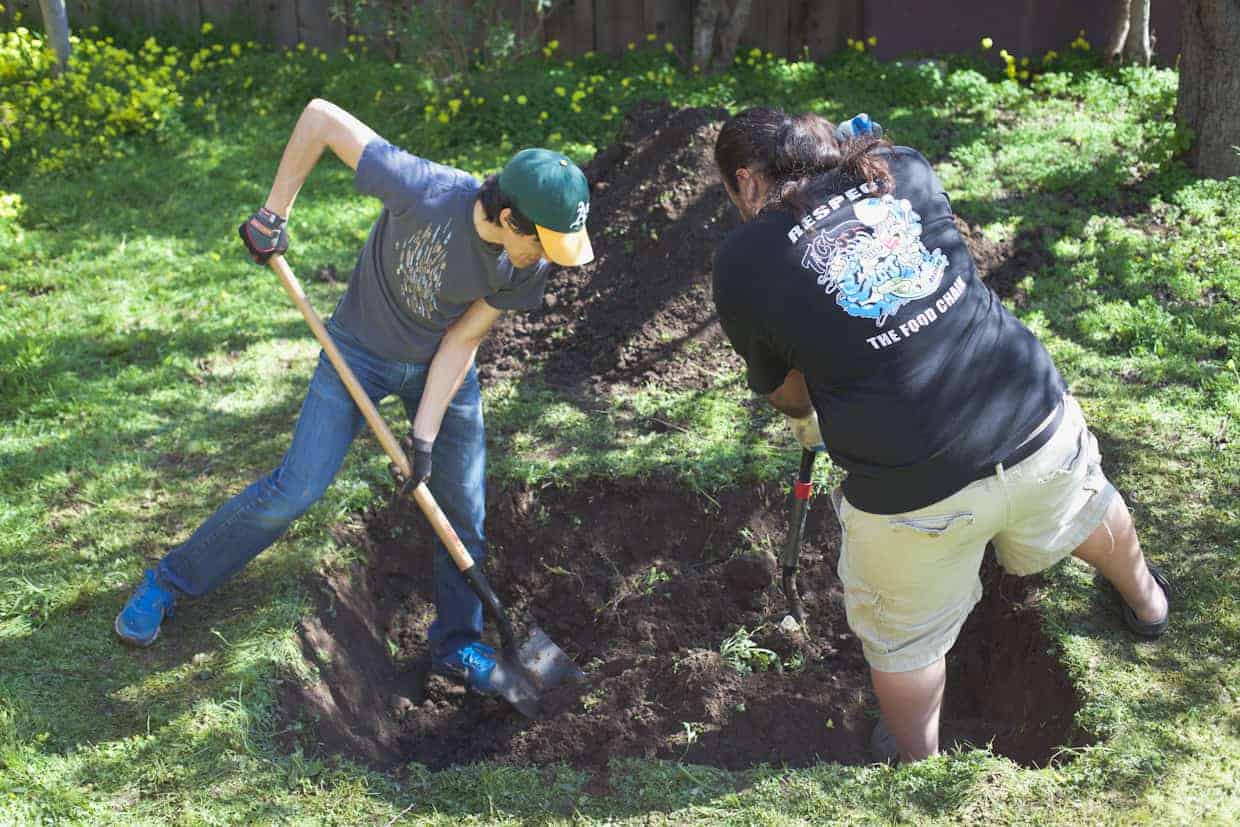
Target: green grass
(147, 371)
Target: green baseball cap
(551, 191)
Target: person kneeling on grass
(445, 258)
(857, 308)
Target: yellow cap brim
(566, 249)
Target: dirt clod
(750, 572)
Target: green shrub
(49, 121)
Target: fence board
(823, 27)
(782, 26)
(616, 24)
(671, 20)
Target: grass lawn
(148, 371)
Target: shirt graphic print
(420, 263)
(876, 263)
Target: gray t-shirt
(423, 264)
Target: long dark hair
(800, 156)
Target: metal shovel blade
(539, 666)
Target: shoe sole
(134, 642)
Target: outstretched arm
(322, 125)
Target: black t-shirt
(922, 380)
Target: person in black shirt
(857, 308)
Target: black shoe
(1154, 630)
(883, 746)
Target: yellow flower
(631, 46)
(542, 116)
(568, 64)
(443, 117)
(507, 98)
(1051, 55)
(872, 40)
(235, 49)
(301, 47)
(669, 47)
(987, 42)
(859, 46)
(522, 99)
(555, 136)
(553, 45)
(1003, 53)
(206, 28)
(1024, 74)
(576, 107)
(755, 53)
(479, 101)
(589, 55)
(455, 105)
(1024, 61)
(561, 91)
(651, 37)
(625, 82)
(578, 95)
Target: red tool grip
(803, 490)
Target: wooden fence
(786, 27)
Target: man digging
(445, 258)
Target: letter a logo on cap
(583, 211)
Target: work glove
(806, 431)
(858, 126)
(264, 235)
(420, 449)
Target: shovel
(790, 554)
(522, 673)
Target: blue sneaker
(138, 623)
(471, 665)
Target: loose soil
(642, 310)
(641, 583)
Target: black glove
(264, 235)
(421, 450)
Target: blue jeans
(329, 420)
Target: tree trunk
(1209, 96)
(56, 24)
(1119, 30)
(1137, 48)
(705, 21)
(1130, 33)
(730, 35)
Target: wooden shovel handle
(421, 494)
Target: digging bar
(790, 554)
(522, 673)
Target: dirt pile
(646, 586)
(642, 309)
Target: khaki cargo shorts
(911, 579)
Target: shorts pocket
(1068, 464)
(935, 525)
